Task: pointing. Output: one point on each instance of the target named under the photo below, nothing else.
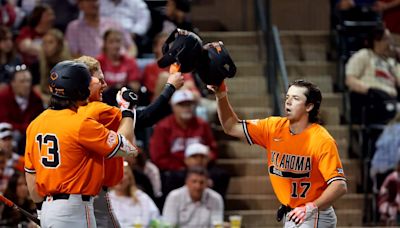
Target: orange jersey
(110, 117)
(66, 152)
(300, 166)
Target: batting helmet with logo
(182, 47)
(216, 64)
(70, 80)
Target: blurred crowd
(125, 37)
(367, 36)
(177, 174)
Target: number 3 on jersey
(51, 158)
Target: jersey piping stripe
(87, 216)
(246, 132)
(335, 179)
(110, 211)
(112, 154)
(316, 219)
(29, 170)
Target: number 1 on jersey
(305, 186)
(52, 157)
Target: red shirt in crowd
(11, 112)
(122, 74)
(169, 141)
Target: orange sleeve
(28, 164)
(96, 138)
(256, 132)
(110, 117)
(330, 165)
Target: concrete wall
(237, 15)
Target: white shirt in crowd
(179, 209)
(133, 15)
(128, 213)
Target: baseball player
(110, 117)
(65, 150)
(303, 161)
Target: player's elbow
(342, 188)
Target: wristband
(128, 113)
(168, 90)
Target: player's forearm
(332, 193)
(227, 117)
(31, 183)
(157, 110)
(126, 128)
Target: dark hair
(37, 14)
(198, 170)
(107, 34)
(4, 32)
(313, 96)
(376, 34)
(58, 103)
(18, 69)
(11, 191)
(183, 5)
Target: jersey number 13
(51, 159)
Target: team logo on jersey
(112, 139)
(255, 122)
(340, 171)
(290, 165)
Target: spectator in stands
(7, 14)
(30, 37)
(173, 134)
(66, 12)
(197, 155)
(391, 14)
(17, 192)
(389, 198)
(148, 168)
(387, 152)
(131, 205)
(373, 77)
(8, 57)
(119, 69)
(177, 13)
(193, 205)
(133, 15)
(3, 177)
(19, 104)
(15, 162)
(54, 50)
(85, 34)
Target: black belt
(66, 196)
(282, 211)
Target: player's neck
(297, 127)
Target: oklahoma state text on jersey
(300, 166)
(110, 117)
(66, 152)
